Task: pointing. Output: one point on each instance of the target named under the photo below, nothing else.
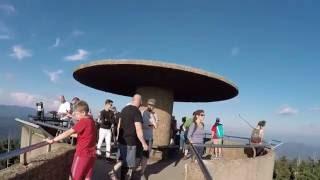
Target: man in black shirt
(106, 121)
(130, 136)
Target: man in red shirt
(85, 131)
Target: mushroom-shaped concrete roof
(123, 77)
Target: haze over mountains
(7, 115)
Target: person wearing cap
(106, 121)
(150, 120)
(217, 133)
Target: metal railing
(24, 150)
(202, 166)
(205, 170)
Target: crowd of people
(131, 131)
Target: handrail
(49, 125)
(23, 150)
(203, 168)
(269, 145)
(26, 149)
(234, 145)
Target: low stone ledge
(50, 166)
(260, 167)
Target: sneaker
(112, 175)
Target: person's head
(81, 109)
(113, 109)
(184, 119)
(262, 123)
(151, 104)
(75, 100)
(136, 100)
(108, 104)
(217, 120)
(198, 116)
(62, 99)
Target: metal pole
(8, 149)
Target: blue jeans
(182, 140)
(127, 154)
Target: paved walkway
(161, 170)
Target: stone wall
(55, 165)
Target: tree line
(297, 169)
(14, 144)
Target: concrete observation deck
(167, 83)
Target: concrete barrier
(236, 164)
(50, 166)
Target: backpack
(186, 134)
(220, 131)
(255, 136)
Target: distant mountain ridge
(8, 126)
(294, 150)
(16, 111)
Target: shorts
(144, 154)
(217, 141)
(82, 167)
(127, 154)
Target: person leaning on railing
(85, 131)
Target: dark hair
(262, 123)
(195, 113)
(75, 99)
(198, 112)
(82, 106)
(108, 101)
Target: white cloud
(23, 99)
(80, 55)
(235, 51)
(77, 33)
(20, 53)
(4, 36)
(7, 8)
(54, 76)
(287, 111)
(57, 43)
(26, 99)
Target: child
(85, 131)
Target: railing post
(25, 159)
(254, 151)
(49, 148)
(30, 137)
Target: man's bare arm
(139, 132)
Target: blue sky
(269, 49)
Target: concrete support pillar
(164, 107)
